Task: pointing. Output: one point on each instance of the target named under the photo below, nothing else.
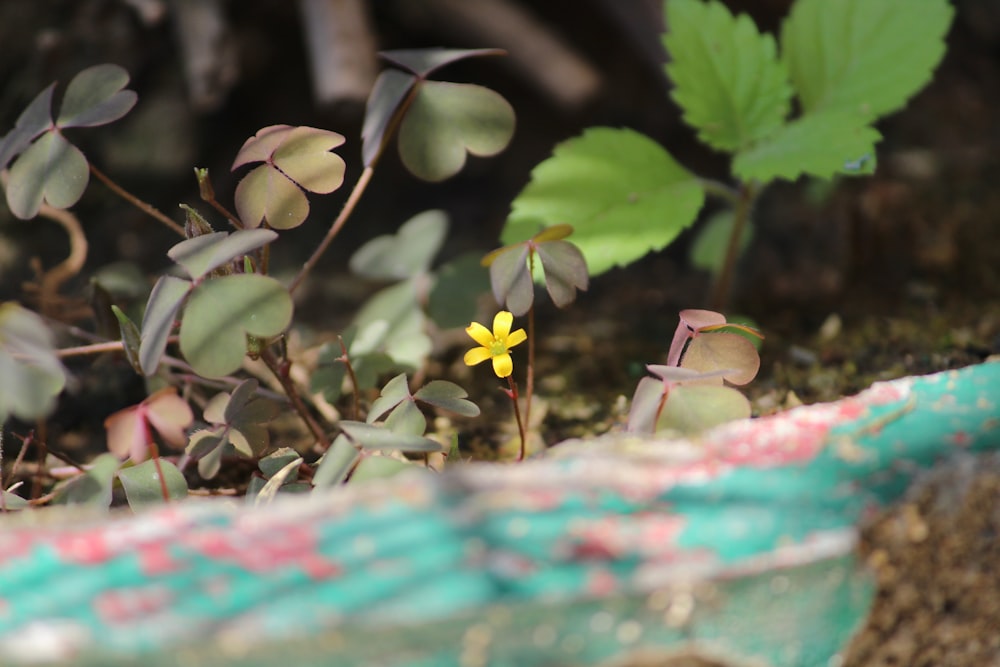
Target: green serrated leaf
(158, 321)
(863, 57)
(32, 375)
(405, 254)
(143, 487)
(378, 437)
(447, 396)
(52, 170)
(726, 74)
(622, 192)
(95, 96)
(221, 312)
(447, 120)
(201, 254)
(819, 144)
(393, 393)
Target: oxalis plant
(219, 314)
(799, 104)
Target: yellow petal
(516, 338)
(502, 365)
(476, 355)
(501, 325)
(480, 334)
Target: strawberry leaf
(727, 76)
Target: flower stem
(148, 209)
(529, 381)
(512, 392)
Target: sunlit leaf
(406, 419)
(727, 77)
(622, 192)
(447, 120)
(201, 254)
(405, 254)
(379, 467)
(143, 486)
(222, 311)
(820, 144)
(265, 194)
(51, 170)
(304, 156)
(170, 415)
(95, 96)
(158, 321)
(391, 322)
(861, 57)
(31, 375)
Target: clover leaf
(32, 375)
(49, 168)
(295, 159)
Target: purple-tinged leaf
(645, 406)
(304, 156)
(161, 311)
(131, 337)
(35, 119)
(678, 374)
(388, 93)
(95, 96)
(261, 146)
(447, 396)
(691, 320)
(511, 279)
(424, 61)
(51, 170)
(201, 254)
(565, 270)
(239, 398)
(716, 351)
(266, 194)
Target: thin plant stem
(512, 392)
(355, 387)
(345, 213)
(721, 190)
(720, 293)
(280, 371)
(529, 381)
(148, 209)
(154, 454)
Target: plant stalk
(281, 373)
(512, 392)
(723, 284)
(148, 209)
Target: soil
(869, 279)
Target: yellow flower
(495, 345)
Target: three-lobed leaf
(623, 193)
(727, 76)
(96, 96)
(51, 170)
(405, 254)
